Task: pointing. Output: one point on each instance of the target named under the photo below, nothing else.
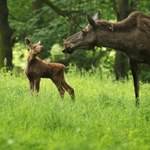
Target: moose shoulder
(131, 36)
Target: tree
(51, 21)
(36, 6)
(122, 9)
(5, 36)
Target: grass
(104, 116)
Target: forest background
(52, 21)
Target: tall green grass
(103, 116)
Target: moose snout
(67, 50)
(41, 48)
(64, 50)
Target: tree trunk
(120, 58)
(120, 66)
(36, 6)
(5, 36)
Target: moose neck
(115, 36)
(31, 56)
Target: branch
(64, 13)
(14, 18)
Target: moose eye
(34, 46)
(83, 32)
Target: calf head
(85, 39)
(34, 48)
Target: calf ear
(96, 16)
(91, 21)
(27, 41)
(39, 42)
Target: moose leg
(69, 89)
(37, 85)
(60, 88)
(134, 70)
(31, 83)
(31, 86)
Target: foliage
(144, 73)
(103, 116)
(51, 28)
(144, 6)
(20, 55)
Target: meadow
(103, 117)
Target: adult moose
(131, 36)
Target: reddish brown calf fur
(37, 69)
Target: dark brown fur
(134, 20)
(131, 36)
(37, 69)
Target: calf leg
(37, 85)
(32, 86)
(68, 88)
(31, 83)
(60, 88)
(134, 69)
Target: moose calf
(37, 69)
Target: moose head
(34, 48)
(85, 39)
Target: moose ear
(27, 41)
(91, 21)
(96, 16)
(39, 42)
